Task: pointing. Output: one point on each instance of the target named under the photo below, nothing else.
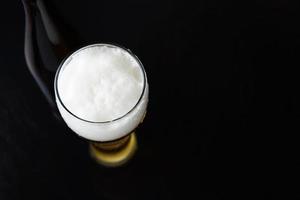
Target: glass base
(114, 157)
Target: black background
(223, 115)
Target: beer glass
(111, 143)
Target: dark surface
(223, 114)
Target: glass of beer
(101, 92)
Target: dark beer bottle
(45, 46)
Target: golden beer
(114, 153)
(101, 92)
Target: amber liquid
(115, 153)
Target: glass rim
(111, 45)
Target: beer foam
(101, 83)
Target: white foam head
(101, 92)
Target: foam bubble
(101, 83)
